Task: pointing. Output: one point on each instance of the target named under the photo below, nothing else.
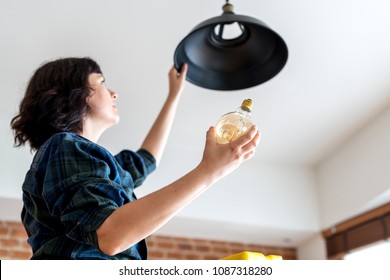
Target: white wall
(357, 177)
(354, 179)
(312, 248)
(10, 209)
(271, 202)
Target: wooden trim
(357, 220)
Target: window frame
(362, 230)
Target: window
(359, 232)
(380, 251)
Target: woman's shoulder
(68, 141)
(64, 138)
(64, 135)
(71, 145)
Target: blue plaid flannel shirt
(73, 185)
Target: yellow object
(252, 256)
(234, 124)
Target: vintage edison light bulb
(234, 124)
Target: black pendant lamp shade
(251, 57)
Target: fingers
(250, 148)
(247, 137)
(248, 143)
(177, 80)
(173, 72)
(252, 137)
(224, 158)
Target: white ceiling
(335, 79)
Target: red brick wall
(13, 245)
(177, 248)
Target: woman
(79, 200)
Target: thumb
(184, 69)
(210, 133)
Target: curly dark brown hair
(54, 101)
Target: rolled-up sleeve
(139, 164)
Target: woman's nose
(113, 94)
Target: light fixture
(231, 52)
